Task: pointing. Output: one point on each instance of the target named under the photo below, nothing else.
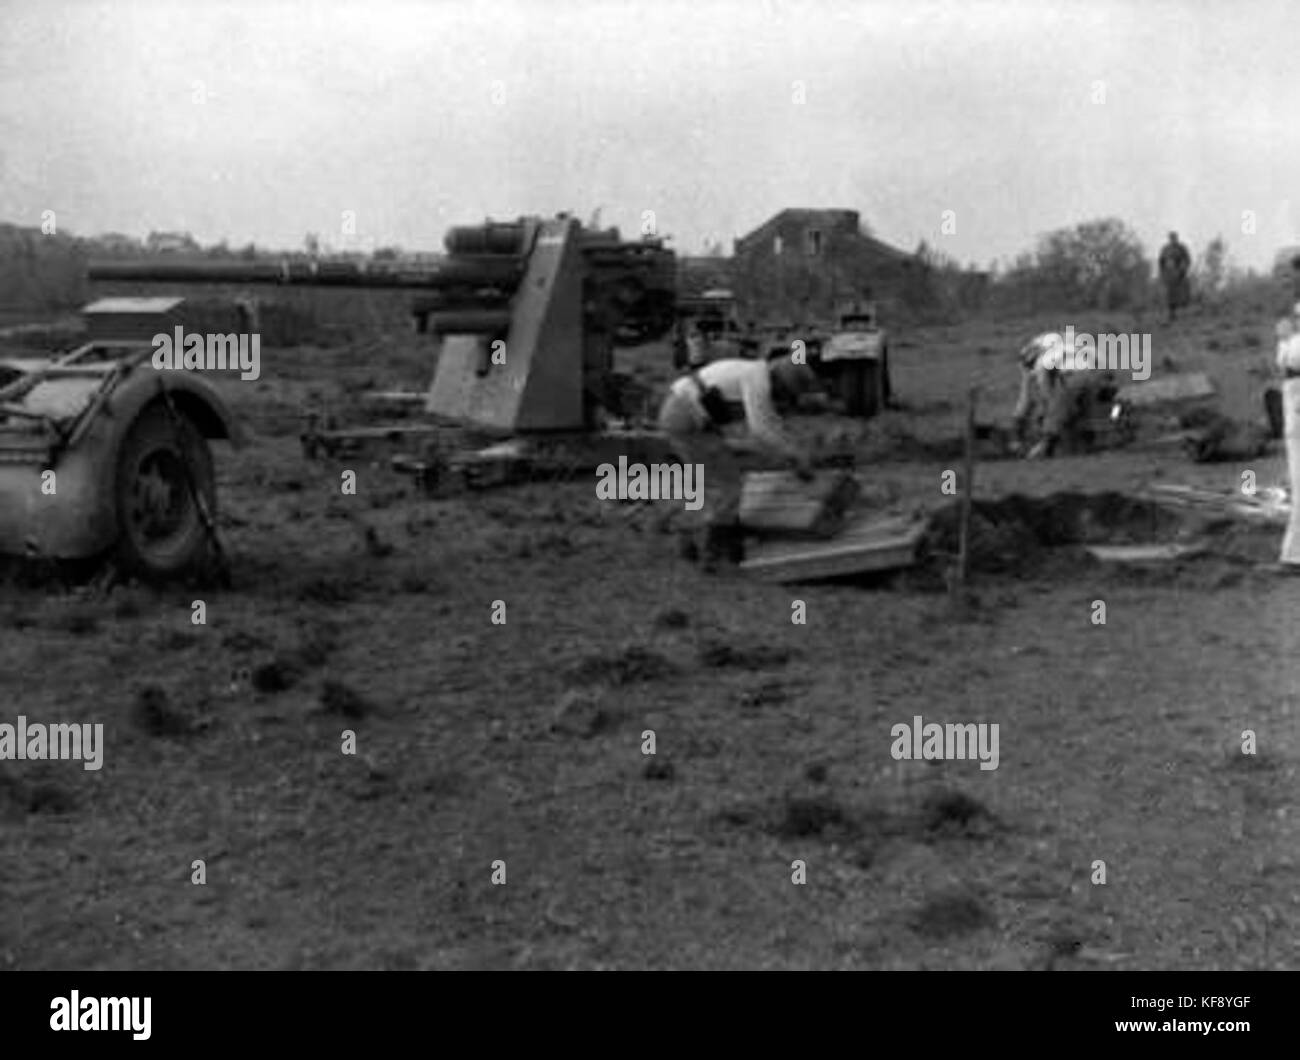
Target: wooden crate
(780, 503)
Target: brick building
(801, 264)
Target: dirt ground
(522, 742)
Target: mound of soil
(1013, 534)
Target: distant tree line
(1099, 265)
(1102, 264)
(117, 245)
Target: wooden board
(395, 401)
(873, 543)
(778, 502)
(1264, 506)
(1146, 553)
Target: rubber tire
(1273, 412)
(186, 549)
(847, 386)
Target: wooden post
(967, 490)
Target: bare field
(522, 742)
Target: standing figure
(1175, 264)
(1273, 404)
(1288, 363)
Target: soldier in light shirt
(1043, 405)
(1288, 362)
(744, 391)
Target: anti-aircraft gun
(527, 313)
(100, 451)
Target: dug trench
(1019, 536)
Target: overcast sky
(263, 120)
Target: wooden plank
(1269, 506)
(1276, 513)
(873, 544)
(779, 502)
(512, 449)
(1146, 553)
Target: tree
(1210, 274)
(936, 259)
(1094, 265)
(943, 283)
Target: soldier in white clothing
(1288, 362)
(702, 406)
(1055, 388)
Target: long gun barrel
(631, 284)
(462, 271)
(554, 295)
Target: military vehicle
(101, 454)
(850, 355)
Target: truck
(850, 355)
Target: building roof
(805, 215)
